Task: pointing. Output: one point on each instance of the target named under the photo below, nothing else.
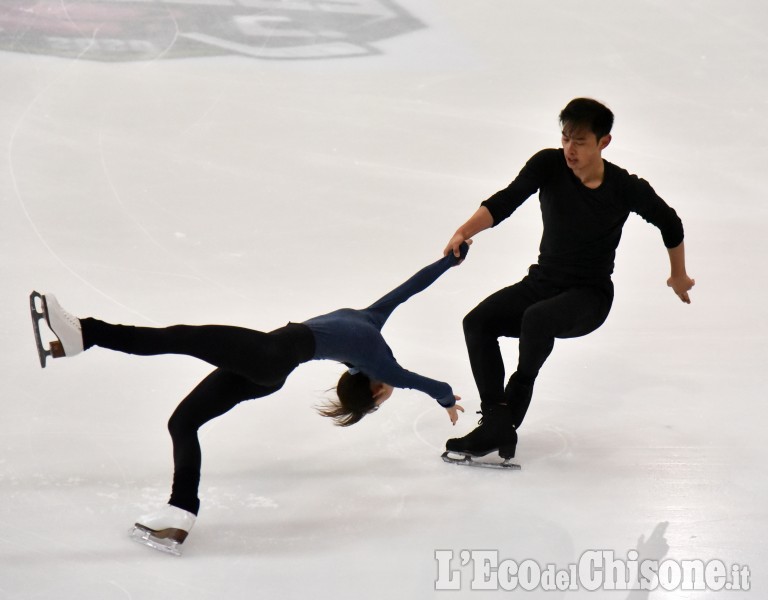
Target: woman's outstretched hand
(453, 412)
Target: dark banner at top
(130, 30)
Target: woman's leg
(264, 358)
(214, 396)
(251, 364)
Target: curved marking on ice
(15, 184)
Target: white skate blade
(461, 458)
(150, 538)
(54, 349)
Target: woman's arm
(391, 373)
(380, 310)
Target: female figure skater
(252, 364)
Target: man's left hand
(681, 286)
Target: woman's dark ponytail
(355, 400)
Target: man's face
(582, 148)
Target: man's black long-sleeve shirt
(582, 226)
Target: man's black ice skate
(495, 432)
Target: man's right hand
(454, 245)
(480, 221)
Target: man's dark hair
(589, 114)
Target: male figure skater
(585, 202)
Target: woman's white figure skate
(164, 530)
(66, 328)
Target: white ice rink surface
(250, 189)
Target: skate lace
(71, 319)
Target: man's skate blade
(145, 537)
(37, 315)
(459, 458)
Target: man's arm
(539, 168)
(679, 280)
(478, 222)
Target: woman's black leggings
(536, 311)
(250, 364)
